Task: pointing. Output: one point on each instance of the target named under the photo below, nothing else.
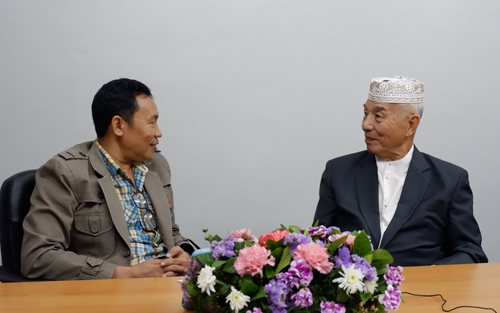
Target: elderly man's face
(387, 130)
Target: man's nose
(366, 125)
(158, 132)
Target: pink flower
(252, 259)
(275, 236)
(315, 255)
(348, 242)
(243, 233)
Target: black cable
(444, 302)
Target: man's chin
(371, 149)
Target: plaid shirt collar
(140, 168)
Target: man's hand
(148, 268)
(176, 264)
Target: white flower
(206, 279)
(237, 300)
(370, 285)
(351, 280)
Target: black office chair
(15, 197)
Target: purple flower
(194, 267)
(302, 271)
(289, 279)
(277, 290)
(343, 257)
(320, 231)
(370, 273)
(223, 248)
(295, 239)
(303, 298)
(393, 276)
(185, 293)
(299, 273)
(362, 264)
(391, 299)
(255, 310)
(319, 242)
(331, 307)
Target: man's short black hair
(118, 97)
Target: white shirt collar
(401, 164)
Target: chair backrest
(15, 197)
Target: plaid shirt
(144, 244)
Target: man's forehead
(380, 106)
(147, 107)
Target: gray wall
(255, 96)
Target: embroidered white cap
(398, 89)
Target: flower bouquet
(316, 269)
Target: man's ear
(413, 122)
(117, 125)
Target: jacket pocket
(94, 234)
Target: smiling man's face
(387, 129)
(141, 137)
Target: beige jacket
(76, 227)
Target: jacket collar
(413, 192)
(367, 192)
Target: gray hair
(415, 108)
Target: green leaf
(239, 245)
(277, 253)
(381, 256)
(362, 245)
(248, 287)
(269, 271)
(316, 223)
(218, 263)
(271, 244)
(207, 259)
(286, 258)
(192, 289)
(229, 267)
(336, 244)
(279, 243)
(283, 227)
(364, 296)
(381, 269)
(369, 258)
(260, 294)
(342, 296)
(336, 231)
(294, 229)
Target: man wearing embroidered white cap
(416, 206)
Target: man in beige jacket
(104, 208)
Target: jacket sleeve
(47, 227)
(463, 237)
